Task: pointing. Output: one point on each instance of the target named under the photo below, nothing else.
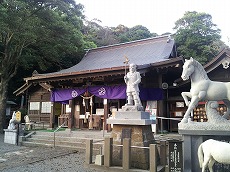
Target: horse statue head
(191, 67)
(188, 69)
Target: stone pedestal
(10, 136)
(192, 140)
(136, 126)
(99, 159)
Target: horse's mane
(202, 72)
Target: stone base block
(131, 121)
(132, 115)
(132, 108)
(204, 126)
(140, 136)
(10, 136)
(131, 118)
(99, 160)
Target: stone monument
(217, 127)
(10, 135)
(132, 122)
(27, 122)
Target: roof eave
(22, 89)
(170, 62)
(37, 78)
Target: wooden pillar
(52, 116)
(106, 111)
(70, 119)
(62, 109)
(77, 115)
(160, 102)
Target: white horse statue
(211, 151)
(202, 88)
(11, 125)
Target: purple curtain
(105, 92)
(151, 93)
(66, 94)
(109, 92)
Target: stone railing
(104, 160)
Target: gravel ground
(46, 159)
(40, 159)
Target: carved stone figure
(12, 122)
(202, 88)
(212, 114)
(211, 151)
(27, 121)
(132, 80)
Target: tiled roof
(223, 56)
(141, 52)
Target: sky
(159, 16)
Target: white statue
(132, 80)
(12, 121)
(211, 151)
(213, 115)
(202, 88)
(27, 121)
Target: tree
(103, 36)
(136, 33)
(100, 35)
(41, 34)
(197, 36)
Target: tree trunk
(3, 99)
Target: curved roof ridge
(130, 42)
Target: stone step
(81, 134)
(96, 149)
(51, 141)
(35, 143)
(44, 139)
(59, 138)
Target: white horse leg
(210, 164)
(185, 96)
(192, 105)
(205, 163)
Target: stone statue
(27, 122)
(202, 88)
(132, 80)
(212, 114)
(12, 122)
(211, 151)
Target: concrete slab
(132, 115)
(131, 121)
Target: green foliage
(136, 33)
(38, 34)
(43, 34)
(196, 36)
(103, 36)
